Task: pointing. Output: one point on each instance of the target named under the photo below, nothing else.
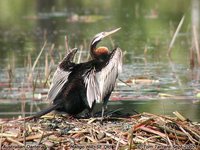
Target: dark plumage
(76, 87)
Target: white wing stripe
(60, 77)
(108, 75)
(100, 84)
(92, 87)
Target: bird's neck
(93, 50)
(100, 53)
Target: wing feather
(100, 83)
(107, 76)
(92, 87)
(61, 75)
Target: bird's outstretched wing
(61, 75)
(92, 87)
(101, 83)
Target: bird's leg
(105, 101)
(102, 112)
(91, 110)
(91, 113)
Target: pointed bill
(110, 32)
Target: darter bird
(76, 87)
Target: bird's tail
(47, 110)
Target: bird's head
(95, 52)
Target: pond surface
(162, 85)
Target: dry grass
(139, 131)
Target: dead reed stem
(80, 54)
(175, 36)
(51, 54)
(46, 69)
(10, 76)
(36, 61)
(192, 57)
(66, 44)
(15, 141)
(196, 43)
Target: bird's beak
(110, 32)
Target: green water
(25, 25)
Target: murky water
(147, 29)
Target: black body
(76, 87)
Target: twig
(78, 134)
(177, 114)
(8, 135)
(124, 82)
(41, 138)
(153, 131)
(167, 137)
(92, 120)
(170, 130)
(117, 146)
(146, 122)
(15, 141)
(130, 139)
(115, 138)
(91, 139)
(188, 135)
(37, 136)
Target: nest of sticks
(141, 131)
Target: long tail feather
(47, 110)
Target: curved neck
(93, 47)
(100, 53)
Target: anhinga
(76, 87)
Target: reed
(29, 62)
(10, 76)
(80, 54)
(66, 44)
(196, 44)
(192, 58)
(175, 36)
(36, 61)
(48, 64)
(46, 67)
(51, 54)
(47, 70)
